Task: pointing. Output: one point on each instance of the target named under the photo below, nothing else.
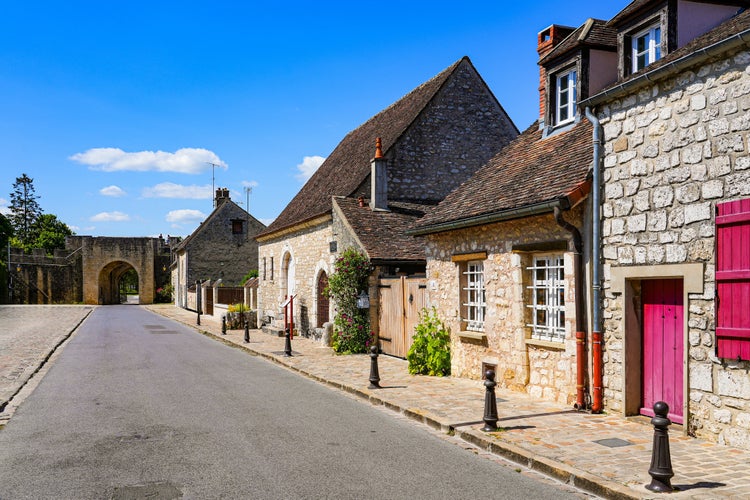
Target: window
(733, 279)
(271, 268)
(264, 269)
(472, 295)
(565, 109)
(237, 226)
(547, 298)
(645, 47)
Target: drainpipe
(581, 358)
(596, 335)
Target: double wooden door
(401, 301)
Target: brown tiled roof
(593, 33)
(349, 164)
(631, 9)
(527, 172)
(730, 27)
(370, 226)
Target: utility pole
(248, 190)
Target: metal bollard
(661, 462)
(223, 325)
(374, 373)
(247, 332)
(490, 402)
(199, 318)
(287, 344)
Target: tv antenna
(213, 188)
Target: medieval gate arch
(106, 259)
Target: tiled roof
(527, 172)
(729, 28)
(631, 9)
(349, 164)
(593, 33)
(370, 226)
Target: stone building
(676, 216)
(505, 251)
(222, 247)
(433, 139)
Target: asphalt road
(138, 406)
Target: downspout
(596, 335)
(581, 358)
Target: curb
(549, 467)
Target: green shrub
(430, 354)
(237, 308)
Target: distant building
(222, 247)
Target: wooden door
(401, 301)
(663, 346)
(323, 301)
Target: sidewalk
(542, 436)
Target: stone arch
(109, 280)
(288, 274)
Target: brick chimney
(548, 39)
(378, 179)
(222, 195)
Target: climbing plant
(352, 332)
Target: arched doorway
(288, 278)
(324, 303)
(116, 277)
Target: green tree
(49, 232)
(352, 325)
(6, 231)
(24, 209)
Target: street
(139, 406)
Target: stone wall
(41, 279)
(544, 370)
(310, 250)
(673, 150)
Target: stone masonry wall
(456, 134)
(673, 150)
(311, 253)
(544, 370)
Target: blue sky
(116, 109)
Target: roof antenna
(213, 189)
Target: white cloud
(184, 161)
(185, 215)
(250, 184)
(4, 206)
(308, 167)
(110, 217)
(114, 191)
(172, 190)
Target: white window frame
(547, 297)
(473, 295)
(652, 50)
(571, 91)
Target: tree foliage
(49, 232)
(24, 209)
(6, 231)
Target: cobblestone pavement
(28, 336)
(542, 436)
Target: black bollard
(287, 344)
(199, 318)
(490, 402)
(247, 332)
(374, 373)
(223, 325)
(661, 462)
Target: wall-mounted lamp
(363, 301)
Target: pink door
(663, 346)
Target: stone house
(432, 139)
(506, 253)
(222, 247)
(676, 216)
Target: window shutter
(733, 279)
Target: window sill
(558, 346)
(472, 335)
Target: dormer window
(646, 47)
(566, 97)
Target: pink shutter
(733, 279)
